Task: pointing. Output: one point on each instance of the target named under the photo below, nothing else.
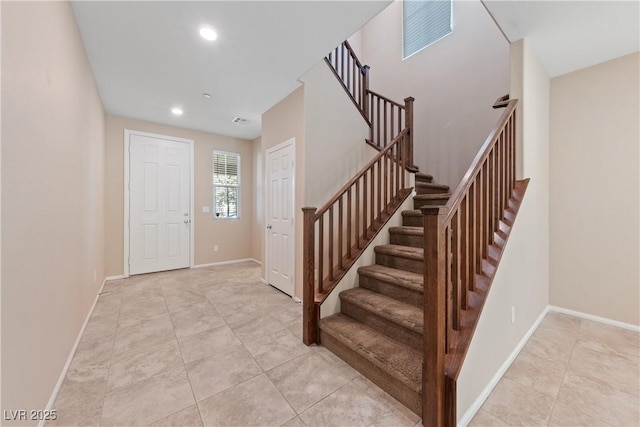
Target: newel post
(365, 91)
(310, 313)
(433, 374)
(408, 124)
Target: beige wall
(53, 197)
(335, 134)
(522, 279)
(233, 237)
(284, 121)
(454, 81)
(257, 227)
(595, 180)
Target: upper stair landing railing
(386, 118)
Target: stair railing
(464, 244)
(385, 117)
(337, 234)
(353, 76)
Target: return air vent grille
(241, 121)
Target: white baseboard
(263, 281)
(63, 374)
(108, 278)
(477, 404)
(234, 261)
(598, 319)
(296, 299)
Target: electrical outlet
(513, 314)
(215, 248)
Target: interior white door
(159, 204)
(280, 217)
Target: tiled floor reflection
(572, 372)
(215, 346)
(211, 346)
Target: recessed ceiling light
(177, 111)
(207, 33)
(206, 95)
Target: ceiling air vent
(241, 121)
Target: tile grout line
(184, 365)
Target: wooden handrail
(377, 95)
(347, 45)
(466, 239)
(370, 198)
(501, 102)
(456, 197)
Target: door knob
(186, 214)
(269, 227)
(186, 221)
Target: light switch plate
(205, 209)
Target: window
(226, 184)
(424, 22)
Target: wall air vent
(241, 121)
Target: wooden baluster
(486, 208)
(392, 122)
(408, 119)
(330, 243)
(473, 223)
(321, 253)
(372, 201)
(386, 136)
(491, 195)
(378, 141)
(386, 185)
(455, 271)
(310, 313)
(365, 95)
(349, 71)
(433, 374)
(364, 206)
(513, 150)
(340, 232)
(342, 62)
(380, 189)
(464, 251)
(357, 223)
(349, 221)
(397, 162)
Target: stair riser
(400, 263)
(424, 179)
(382, 325)
(406, 240)
(382, 379)
(417, 204)
(391, 290)
(431, 190)
(412, 221)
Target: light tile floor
(571, 372)
(215, 346)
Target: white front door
(159, 204)
(280, 217)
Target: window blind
(424, 23)
(226, 184)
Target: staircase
(379, 329)
(408, 325)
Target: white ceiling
(148, 57)
(570, 35)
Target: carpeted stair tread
(416, 212)
(433, 196)
(406, 230)
(423, 177)
(408, 252)
(444, 188)
(402, 278)
(398, 360)
(406, 315)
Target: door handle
(186, 214)
(269, 227)
(186, 221)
